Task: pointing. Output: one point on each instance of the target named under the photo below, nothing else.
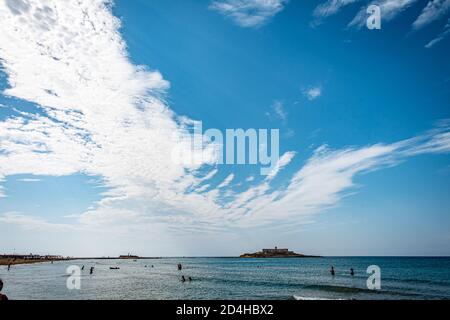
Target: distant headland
(129, 256)
(12, 259)
(276, 253)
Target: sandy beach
(6, 261)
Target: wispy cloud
(331, 7)
(389, 10)
(249, 13)
(312, 93)
(444, 34)
(277, 111)
(30, 180)
(320, 184)
(284, 160)
(434, 10)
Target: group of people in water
(179, 267)
(91, 269)
(183, 278)
(333, 273)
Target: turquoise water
(233, 278)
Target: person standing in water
(332, 271)
(352, 272)
(91, 271)
(3, 297)
(9, 266)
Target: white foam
(313, 298)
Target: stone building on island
(275, 253)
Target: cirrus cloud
(248, 13)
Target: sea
(231, 278)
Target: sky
(95, 96)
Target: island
(129, 256)
(276, 253)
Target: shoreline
(5, 262)
(19, 261)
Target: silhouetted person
(352, 272)
(332, 271)
(3, 297)
(82, 268)
(183, 279)
(9, 266)
(190, 279)
(91, 271)
(180, 267)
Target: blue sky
(362, 116)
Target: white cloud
(249, 13)
(100, 114)
(30, 180)
(326, 177)
(389, 10)
(202, 188)
(312, 93)
(278, 111)
(284, 160)
(434, 10)
(319, 185)
(331, 7)
(444, 34)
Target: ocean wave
(340, 289)
(356, 290)
(421, 281)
